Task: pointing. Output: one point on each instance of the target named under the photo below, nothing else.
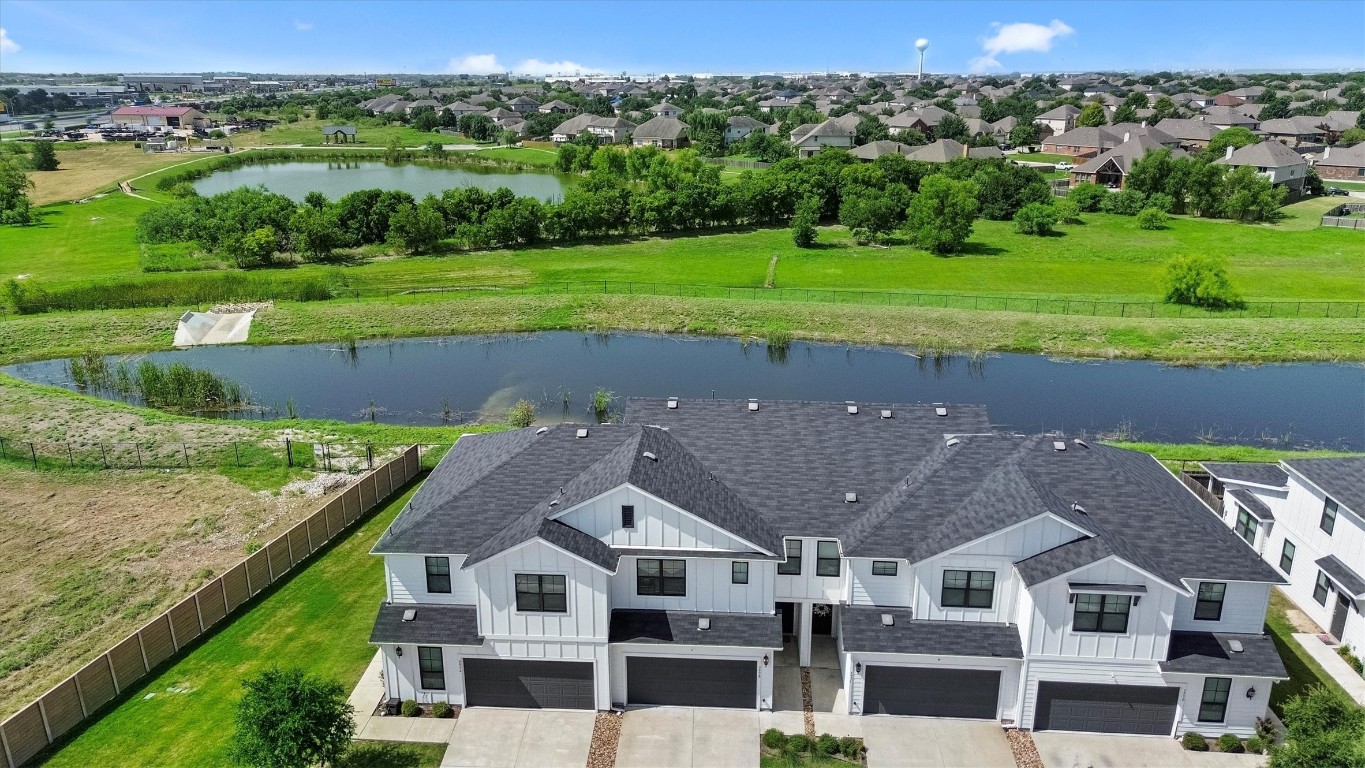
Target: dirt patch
(606, 734)
(85, 558)
(1301, 621)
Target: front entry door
(1339, 616)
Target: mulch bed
(1025, 751)
(423, 710)
(807, 702)
(606, 732)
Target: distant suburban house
(1271, 159)
(1082, 142)
(1294, 131)
(413, 106)
(611, 130)
(1228, 117)
(661, 132)
(906, 121)
(738, 127)
(1193, 135)
(524, 105)
(557, 107)
(875, 149)
(813, 137)
(947, 150)
(1058, 120)
(461, 108)
(1342, 163)
(1111, 168)
(339, 134)
(160, 117)
(665, 110)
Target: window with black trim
(1213, 705)
(661, 577)
(1246, 526)
(542, 592)
(792, 565)
(1328, 523)
(627, 516)
(1208, 604)
(1287, 556)
(883, 567)
(1321, 588)
(433, 668)
(827, 558)
(438, 575)
(968, 589)
(739, 572)
(1101, 613)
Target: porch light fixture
(398, 650)
(1251, 693)
(765, 659)
(858, 667)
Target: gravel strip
(606, 732)
(807, 702)
(1025, 751)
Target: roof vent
(650, 455)
(852, 409)
(1081, 443)
(886, 413)
(888, 619)
(753, 405)
(1076, 507)
(941, 411)
(554, 503)
(673, 403)
(410, 614)
(1059, 445)
(542, 430)
(581, 433)
(1235, 646)
(850, 498)
(704, 623)
(953, 441)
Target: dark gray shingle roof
(1066, 558)
(1250, 503)
(1342, 479)
(1342, 574)
(861, 631)
(1210, 653)
(743, 630)
(435, 624)
(1260, 474)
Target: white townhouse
(1039, 581)
(1307, 518)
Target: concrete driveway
(928, 742)
(520, 738)
(1091, 750)
(682, 737)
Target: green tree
(870, 129)
(1151, 218)
(803, 223)
(1035, 219)
(1092, 115)
(1201, 282)
(1024, 134)
(508, 138)
(254, 248)
(394, 152)
(44, 156)
(418, 228)
(1125, 114)
(435, 150)
(290, 719)
(1248, 196)
(1236, 137)
(425, 119)
(478, 127)
(940, 217)
(706, 132)
(1163, 108)
(14, 187)
(1351, 136)
(1274, 109)
(872, 214)
(952, 127)
(1088, 196)
(314, 231)
(1323, 729)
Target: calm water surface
(413, 381)
(295, 179)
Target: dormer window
(627, 516)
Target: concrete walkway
(1336, 666)
(931, 742)
(520, 738)
(1059, 749)
(369, 692)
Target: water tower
(920, 45)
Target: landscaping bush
(1322, 728)
(1201, 282)
(827, 745)
(1345, 652)
(523, 414)
(289, 718)
(1255, 746)
(850, 747)
(1265, 728)
(410, 708)
(799, 743)
(803, 223)
(1194, 742)
(441, 709)
(1161, 201)
(1229, 742)
(1088, 197)
(1126, 203)
(1067, 211)
(1035, 219)
(774, 739)
(1152, 219)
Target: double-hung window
(1328, 523)
(1320, 588)
(661, 577)
(1208, 604)
(1213, 705)
(883, 567)
(438, 575)
(1246, 526)
(792, 565)
(739, 572)
(1287, 557)
(433, 668)
(1101, 613)
(542, 593)
(827, 558)
(968, 589)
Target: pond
(457, 379)
(335, 178)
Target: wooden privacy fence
(52, 715)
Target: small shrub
(1161, 201)
(1088, 196)
(1067, 211)
(1201, 282)
(523, 414)
(1347, 654)
(183, 190)
(410, 708)
(1151, 218)
(1229, 742)
(441, 709)
(774, 739)
(803, 223)
(799, 743)
(827, 745)
(1126, 203)
(1255, 746)
(850, 747)
(1194, 742)
(252, 547)
(1265, 728)
(1035, 219)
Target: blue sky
(353, 36)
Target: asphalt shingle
(431, 624)
(1261, 474)
(861, 631)
(1342, 479)
(742, 630)
(1211, 653)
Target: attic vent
(410, 614)
(888, 619)
(554, 503)
(753, 405)
(542, 430)
(1076, 507)
(886, 413)
(1059, 445)
(673, 403)
(852, 409)
(941, 411)
(850, 498)
(1081, 443)
(704, 623)
(581, 433)
(1235, 646)
(650, 456)
(953, 441)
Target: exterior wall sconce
(858, 667)
(1251, 693)
(765, 659)
(398, 650)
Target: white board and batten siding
(658, 524)
(929, 588)
(1244, 604)
(586, 585)
(709, 588)
(1081, 671)
(1299, 520)
(618, 652)
(407, 577)
(1240, 716)
(403, 679)
(808, 587)
(887, 591)
(1009, 675)
(1149, 622)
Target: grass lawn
(544, 158)
(1304, 672)
(320, 620)
(392, 754)
(806, 760)
(94, 239)
(87, 168)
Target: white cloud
(488, 64)
(538, 67)
(6, 44)
(475, 64)
(1017, 38)
(302, 26)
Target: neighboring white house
(1048, 583)
(1304, 516)
(1058, 120)
(1272, 160)
(813, 137)
(738, 127)
(664, 109)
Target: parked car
(1064, 166)
(1336, 191)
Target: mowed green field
(1107, 257)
